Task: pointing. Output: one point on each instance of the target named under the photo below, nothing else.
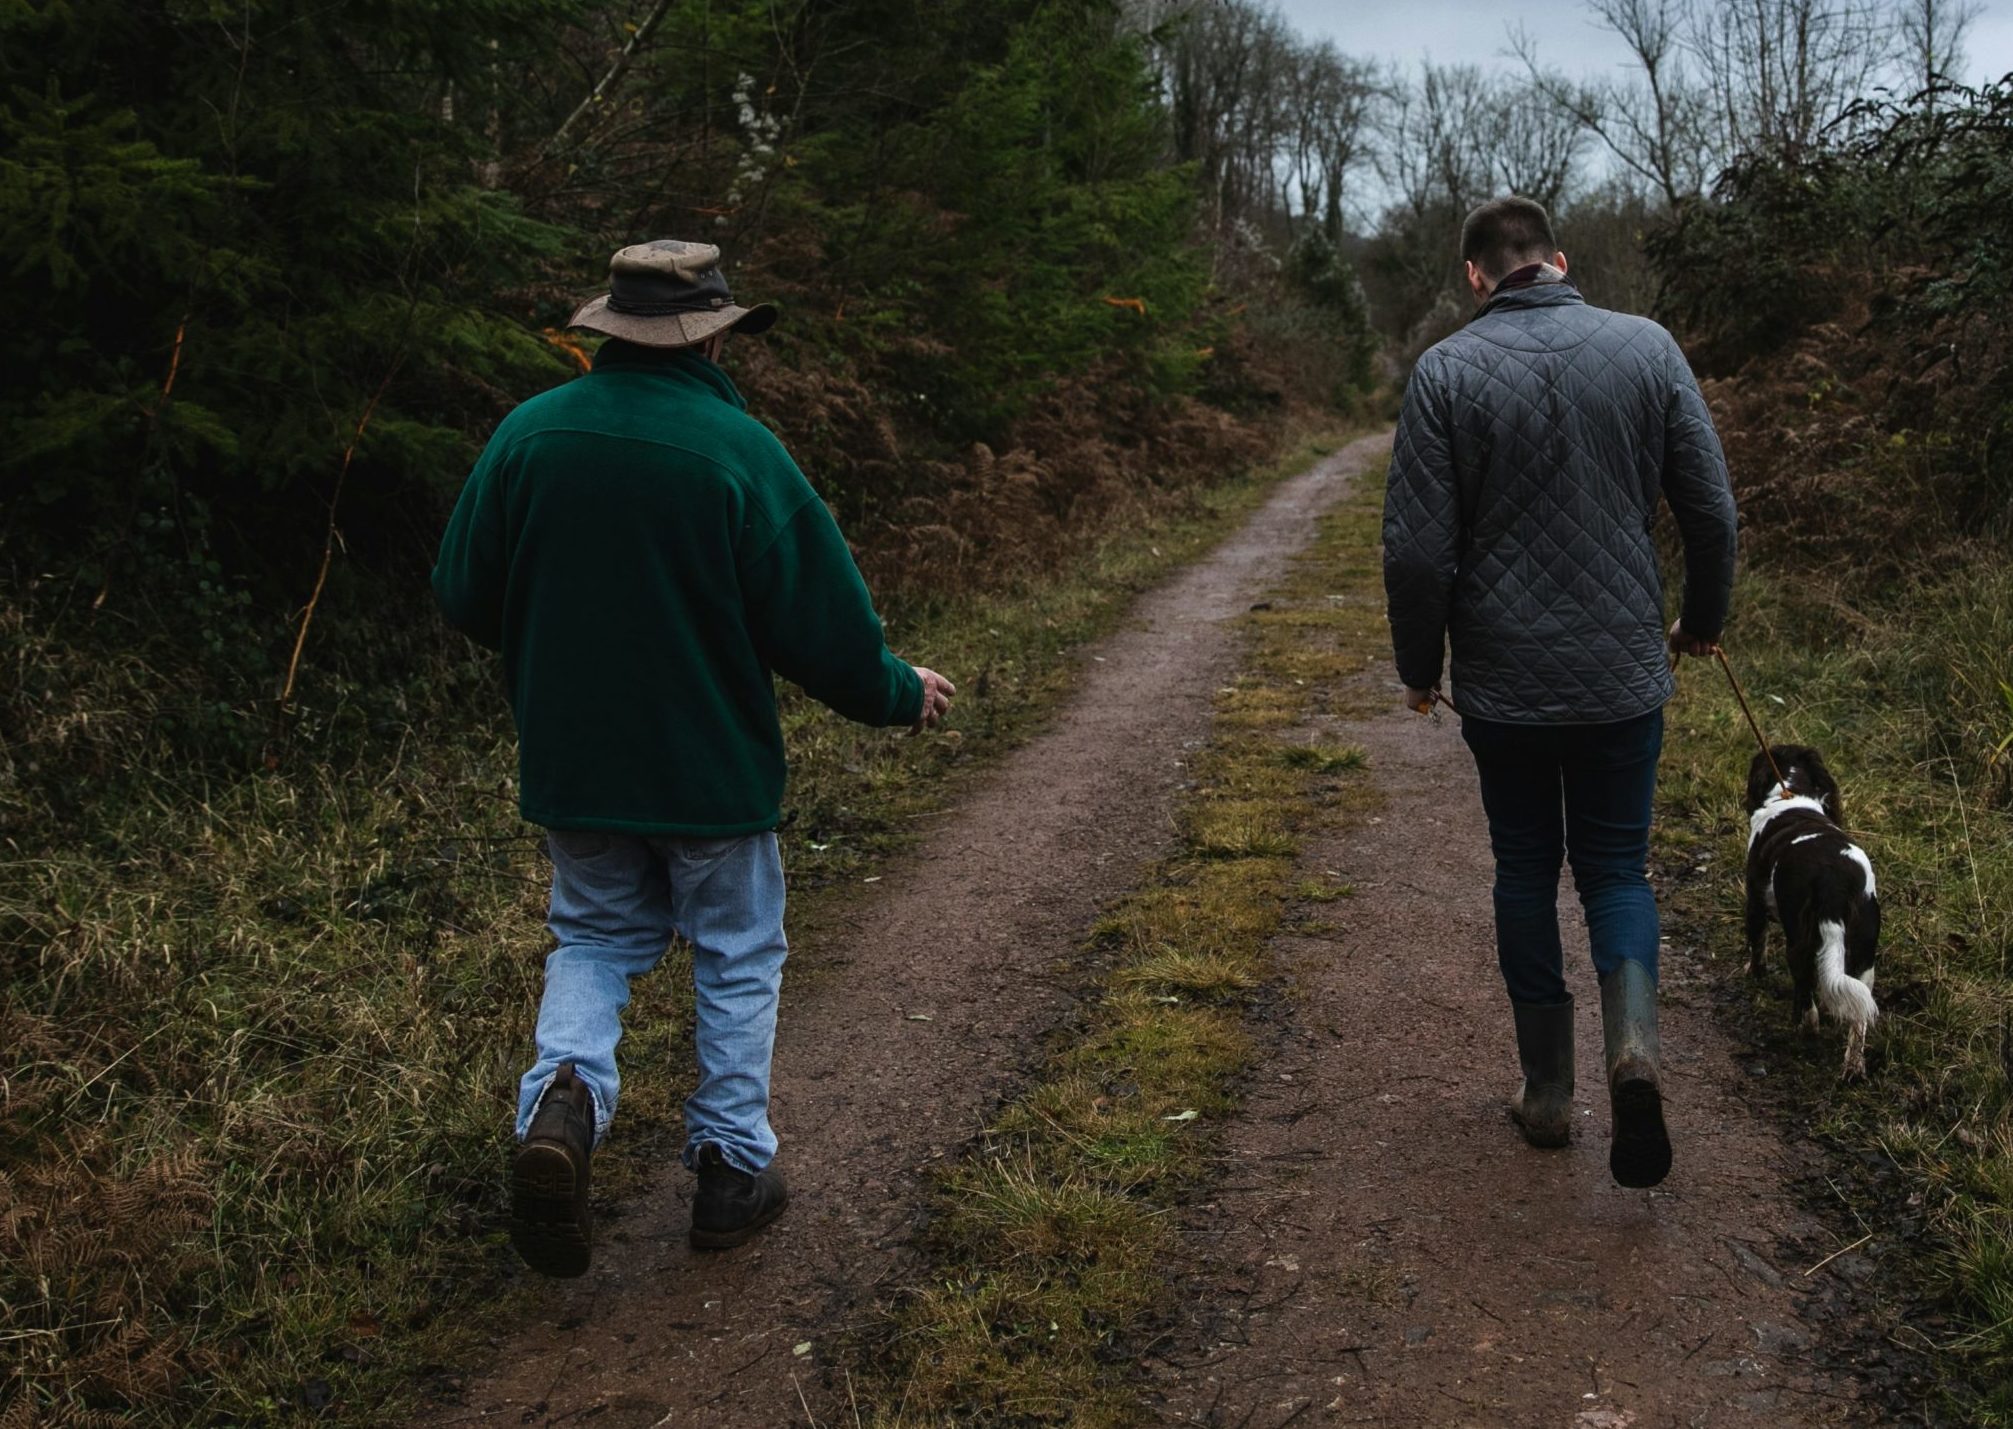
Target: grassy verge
(264, 1035)
(1908, 699)
(1048, 1234)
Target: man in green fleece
(645, 555)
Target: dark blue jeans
(1582, 793)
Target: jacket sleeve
(815, 624)
(1422, 535)
(468, 576)
(1701, 498)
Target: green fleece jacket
(645, 555)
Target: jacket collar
(1556, 293)
(679, 362)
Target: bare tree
(1274, 126)
(1223, 64)
(1534, 144)
(1261, 121)
(1780, 71)
(1932, 36)
(1439, 134)
(1331, 113)
(1652, 123)
(1436, 163)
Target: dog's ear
(1760, 779)
(1825, 787)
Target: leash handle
(1434, 697)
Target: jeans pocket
(578, 845)
(708, 850)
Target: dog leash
(1434, 697)
(1738, 693)
(1759, 738)
(1741, 695)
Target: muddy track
(970, 933)
(1379, 1247)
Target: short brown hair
(1506, 233)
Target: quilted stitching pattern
(1526, 473)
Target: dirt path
(968, 934)
(1381, 1248)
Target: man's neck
(1528, 276)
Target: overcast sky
(1472, 32)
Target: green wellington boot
(1543, 1106)
(1640, 1154)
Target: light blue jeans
(617, 899)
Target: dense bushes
(1851, 299)
(230, 244)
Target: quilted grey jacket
(1525, 477)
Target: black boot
(1640, 1153)
(550, 1223)
(1543, 1106)
(732, 1205)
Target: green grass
(1903, 694)
(1323, 758)
(264, 1034)
(1050, 1235)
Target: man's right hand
(1685, 643)
(937, 692)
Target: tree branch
(638, 38)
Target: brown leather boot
(550, 1223)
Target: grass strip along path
(1050, 1234)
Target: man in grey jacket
(1532, 453)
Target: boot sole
(740, 1235)
(549, 1226)
(1641, 1154)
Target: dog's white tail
(1841, 995)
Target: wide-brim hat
(669, 294)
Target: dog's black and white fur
(1819, 884)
